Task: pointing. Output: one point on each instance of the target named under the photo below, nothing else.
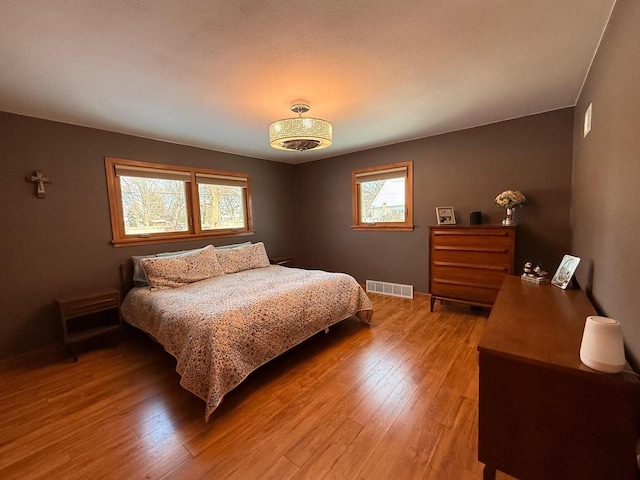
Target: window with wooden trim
(382, 197)
(155, 203)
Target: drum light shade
(300, 133)
(602, 345)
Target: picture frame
(565, 271)
(445, 216)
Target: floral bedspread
(223, 328)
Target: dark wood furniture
(542, 413)
(467, 263)
(284, 261)
(87, 315)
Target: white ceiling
(215, 74)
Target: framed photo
(445, 216)
(565, 271)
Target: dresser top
(482, 225)
(537, 324)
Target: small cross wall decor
(39, 179)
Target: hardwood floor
(394, 400)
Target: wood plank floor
(394, 400)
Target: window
(382, 197)
(221, 201)
(153, 203)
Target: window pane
(382, 201)
(221, 207)
(151, 205)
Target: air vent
(393, 289)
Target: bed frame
(126, 278)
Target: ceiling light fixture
(298, 133)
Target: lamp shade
(300, 133)
(602, 345)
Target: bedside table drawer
(82, 306)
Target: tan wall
(464, 169)
(62, 243)
(606, 198)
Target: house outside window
(382, 197)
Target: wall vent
(393, 289)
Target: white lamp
(602, 346)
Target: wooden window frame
(195, 231)
(405, 226)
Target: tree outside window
(154, 203)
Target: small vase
(509, 221)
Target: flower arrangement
(510, 199)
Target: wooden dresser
(467, 263)
(542, 413)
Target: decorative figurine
(534, 274)
(538, 272)
(528, 269)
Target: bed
(223, 328)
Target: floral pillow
(243, 258)
(180, 270)
(227, 260)
(139, 278)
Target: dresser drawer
(475, 237)
(469, 254)
(489, 275)
(451, 289)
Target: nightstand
(87, 315)
(283, 261)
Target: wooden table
(88, 314)
(542, 413)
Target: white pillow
(180, 270)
